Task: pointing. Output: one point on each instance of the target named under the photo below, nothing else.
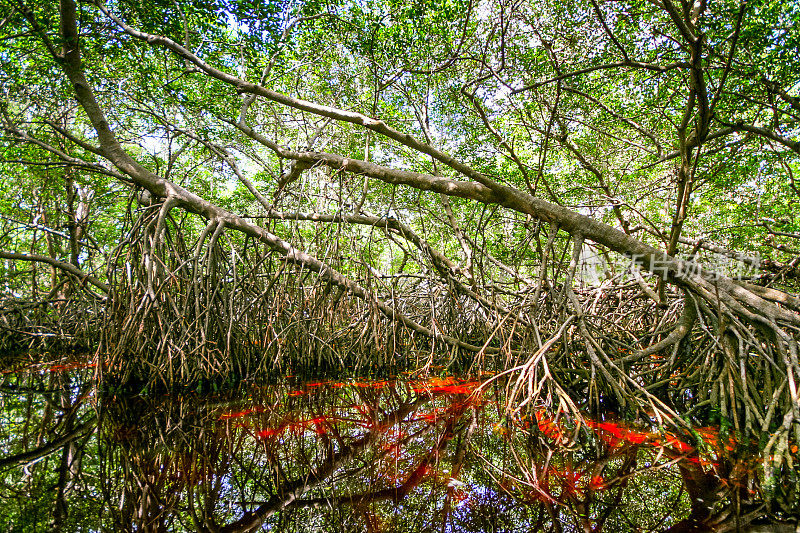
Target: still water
(408, 453)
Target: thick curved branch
(491, 191)
(485, 190)
(680, 272)
(446, 268)
(340, 115)
(180, 197)
(62, 265)
(49, 447)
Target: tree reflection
(401, 455)
(47, 430)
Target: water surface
(434, 453)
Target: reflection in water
(401, 455)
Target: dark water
(402, 454)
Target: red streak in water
(465, 388)
(548, 427)
(71, 366)
(636, 437)
(615, 434)
(597, 483)
(611, 428)
(678, 445)
(235, 414)
(320, 425)
(431, 418)
(268, 433)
